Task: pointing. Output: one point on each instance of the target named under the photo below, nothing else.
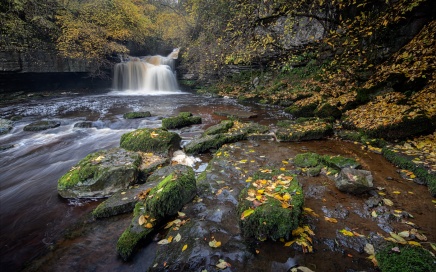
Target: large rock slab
(151, 140)
(41, 125)
(238, 132)
(176, 187)
(100, 174)
(184, 119)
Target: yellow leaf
(247, 213)
(184, 247)
(388, 202)
(396, 192)
(148, 225)
(413, 243)
(346, 232)
(170, 239)
(331, 220)
(289, 243)
(297, 231)
(286, 197)
(214, 243)
(142, 220)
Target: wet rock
(338, 212)
(6, 147)
(151, 140)
(121, 202)
(222, 127)
(100, 174)
(339, 162)
(373, 201)
(236, 114)
(303, 130)
(239, 131)
(41, 125)
(5, 126)
(164, 200)
(356, 243)
(184, 119)
(137, 114)
(150, 162)
(354, 181)
(84, 124)
(275, 214)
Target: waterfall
(147, 74)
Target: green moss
(170, 194)
(150, 140)
(222, 127)
(405, 163)
(327, 110)
(87, 168)
(307, 160)
(271, 220)
(303, 129)
(409, 259)
(182, 120)
(133, 115)
(339, 162)
(302, 111)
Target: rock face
(100, 174)
(151, 140)
(41, 125)
(354, 181)
(177, 187)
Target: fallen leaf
(289, 243)
(246, 213)
(388, 202)
(398, 238)
(222, 264)
(184, 247)
(214, 243)
(369, 249)
(331, 220)
(396, 192)
(178, 237)
(142, 220)
(148, 225)
(163, 242)
(346, 232)
(404, 234)
(413, 243)
(181, 214)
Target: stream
(34, 219)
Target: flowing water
(32, 215)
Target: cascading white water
(147, 74)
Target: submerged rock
(166, 199)
(41, 125)
(184, 119)
(84, 124)
(100, 174)
(137, 114)
(5, 126)
(151, 140)
(354, 181)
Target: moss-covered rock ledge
(100, 174)
(167, 198)
(182, 120)
(151, 140)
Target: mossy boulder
(41, 125)
(84, 124)
(238, 132)
(100, 174)
(404, 162)
(222, 127)
(354, 181)
(136, 114)
(5, 126)
(309, 129)
(302, 110)
(327, 110)
(166, 199)
(406, 259)
(151, 140)
(184, 119)
(305, 160)
(339, 162)
(271, 206)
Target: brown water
(58, 234)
